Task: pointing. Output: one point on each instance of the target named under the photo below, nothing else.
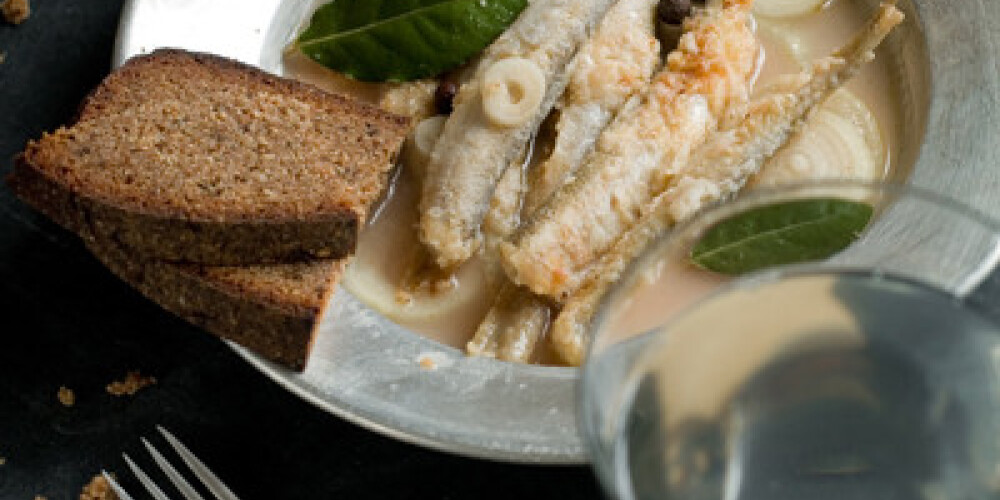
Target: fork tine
(119, 491)
(182, 485)
(151, 487)
(207, 477)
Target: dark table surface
(65, 321)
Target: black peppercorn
(673, 11)
(444, 97)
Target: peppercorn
(444, 97)
(673, 12)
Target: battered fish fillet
(709, 75)
(719, 170)
(474, 152)
(513, 328)
(517, 319)
(616, 64)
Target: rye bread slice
(194, 158)
(273, 310)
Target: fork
(207, 477)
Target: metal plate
(366, 369)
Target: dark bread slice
(195, 158)
(273, 310)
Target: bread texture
(189, 250)
(272, 310)
(194, 158)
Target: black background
(64, 320)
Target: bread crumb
(3, 460)
(15, 11)
(132, 384)
(3, 56)
(66, 396)
(39, 497)
(98, 489)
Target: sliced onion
(473, 291)
(790, 41)
(419, 145)
(841, 140)
(513, 90)
(787, 8)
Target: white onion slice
(474, 289)
(791, 42)
(513, 90)
(841, 140)
(419, 145)
(787, 8)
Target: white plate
(366, 369)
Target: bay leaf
(403, 40)
(779, 234)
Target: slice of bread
(195, 158)
(273, 310)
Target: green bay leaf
(783, 233)
(403, 40)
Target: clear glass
(872, 374)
